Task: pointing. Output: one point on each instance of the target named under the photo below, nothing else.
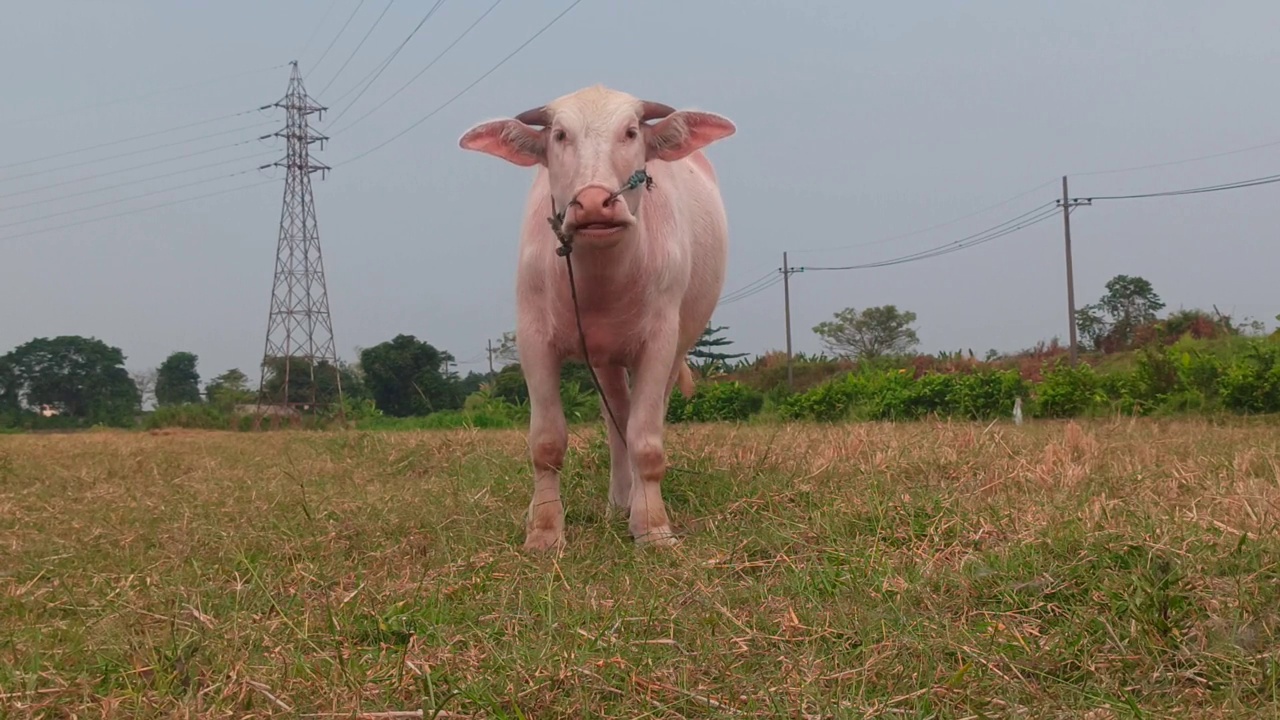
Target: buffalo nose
(594, 200)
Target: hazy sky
(856, 122)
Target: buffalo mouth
(600, 229)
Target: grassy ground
(1118, 569)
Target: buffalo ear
(510, 140)
(684, 132)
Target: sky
(857, 123)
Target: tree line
(1125, 317)
(78, 381)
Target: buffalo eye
(632, 133)
(559, 135)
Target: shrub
(1065, 391)
(1155, 377)
(192, 416)
(988, 395)
(894, 394)
(1119, 392)
(580, 403)
(1251, 384)
(828, 402)
(726, 402)
(1198, 371)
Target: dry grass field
(1100, 569)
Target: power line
(153, 93)
(358, 46)
(1235, 185)
(746, 289)
(126, 199)
(131, 182)
(135, 211)
(341, 30)
(953, 221)
(1045, 212)
(732, 297)
(420, 73)
(131, 168)
(311, 38)
(749, 285)
(131, 139)
(1180, 162)
(133, 152)
(772, 283)
(466, 89)
(742, 296)
(368, 80)
(378, 69)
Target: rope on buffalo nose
(638, 178)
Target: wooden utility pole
(490, 345)
(786, 302)
(1067, 204)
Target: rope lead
(638, 178)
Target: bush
(190, 416)
(1198, 371)
(1067, 392)
(723, 402)
(828, 402)
(1251, 383)
(1155, 377)
(988, 395)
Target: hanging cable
(131, 168)
(358, 46)
(420, 73)
(94, 191)
(117, 201)
(368, 80)
(341, 30)
(153, 93)
(135, 137)
(772, 283)
(964, 243)
(135, 152)
(1236, 185)
(921, 231)
(135, 211)
(767, 277)
(316, 32)
(466, 89)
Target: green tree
(509, 385)
(407, 376)
(10, 397)
(302, 389)
(705, 358)
(177, 381)
(82, 378)
(1112, 323)
(229, 389)
(873, 333)
(471, 383)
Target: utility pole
(490, 345)
(299, 328)
(1066, 203)
(786, 303)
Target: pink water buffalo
(648, 264)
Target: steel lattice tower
(299, 327)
